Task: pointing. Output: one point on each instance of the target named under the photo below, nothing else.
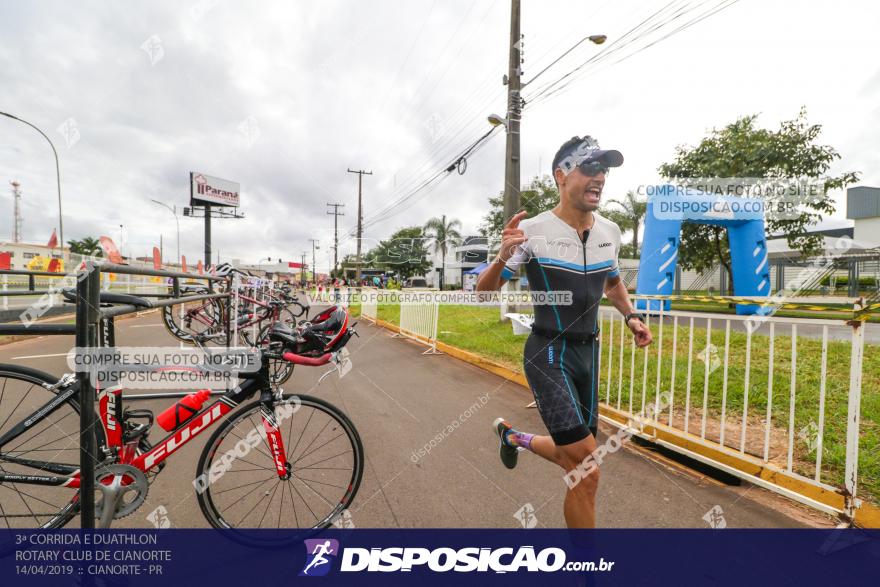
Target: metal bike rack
(93, 326)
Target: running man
(573, 249)
(320, 550)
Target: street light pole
(314, 265)
(176, 220)
(57, 175)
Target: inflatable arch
(667, 210)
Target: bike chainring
(128, 483)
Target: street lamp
(595, 39)
(57, 174)
(497, 120)
(176, 220)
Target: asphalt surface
(399, 400)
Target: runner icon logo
(319, 554)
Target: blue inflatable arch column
(659, 255)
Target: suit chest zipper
(586, 301)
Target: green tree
(86, 246)
(741, 149)
(442, 235)
(631, 217)
(404, 253)
(540, 196)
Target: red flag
(157, 258)
(200, 268)
(54, 266)
(53, 240)
(110, 249)
(5, 261)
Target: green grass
(478, 329)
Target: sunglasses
(593, 168)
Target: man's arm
(617, 295)
(616, 292)
(491, 278)
(512, 236)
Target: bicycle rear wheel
(183, 321)
(54, 438)
(241, 487)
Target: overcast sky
(283, 97)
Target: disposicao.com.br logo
(319, 555)
(441, 560)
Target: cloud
(284, 97)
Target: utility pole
(314, 264)
(336, 214)
(302, 272)
(361, 174)
(514, 115)
(16, 213)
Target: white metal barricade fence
(370, 304)
(753, 396)
(418, 320)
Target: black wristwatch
(635, 315)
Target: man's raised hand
(511, 237)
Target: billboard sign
(213, 191)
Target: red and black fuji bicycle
(280, 461)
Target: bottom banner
(439, 557)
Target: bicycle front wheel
(52, 439)
(239, 488)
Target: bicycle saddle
(109, 298)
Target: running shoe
(508, 453)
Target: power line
(650, 27)
(459, 163)
(616, 45)
(414, 189)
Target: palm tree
(442, 234)
(634, 210)
(87, 246)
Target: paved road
(400, 400)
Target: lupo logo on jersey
(319, 556)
